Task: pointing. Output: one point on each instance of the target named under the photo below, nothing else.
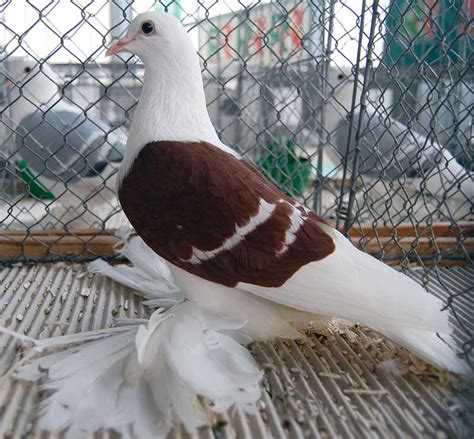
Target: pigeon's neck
(172, 106)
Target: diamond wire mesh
(361, 110)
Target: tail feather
(432, 347)
(352, 285)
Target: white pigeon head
(157, 38)
(172, 104)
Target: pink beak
(118, 46)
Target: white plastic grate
(326, 386)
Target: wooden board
(452, 244)
(54, 244)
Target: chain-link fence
(360, 109)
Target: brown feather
(179, 196)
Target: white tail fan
(142, 380)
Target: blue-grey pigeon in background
(389, 150)
(72, 152)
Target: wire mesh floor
(329, 385)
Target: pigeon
(388, 149)
(244, 262)
(231, 237)
(73, 153)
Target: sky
(84, 38)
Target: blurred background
(360, 109)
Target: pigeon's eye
(147, 27)
(27, 69)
